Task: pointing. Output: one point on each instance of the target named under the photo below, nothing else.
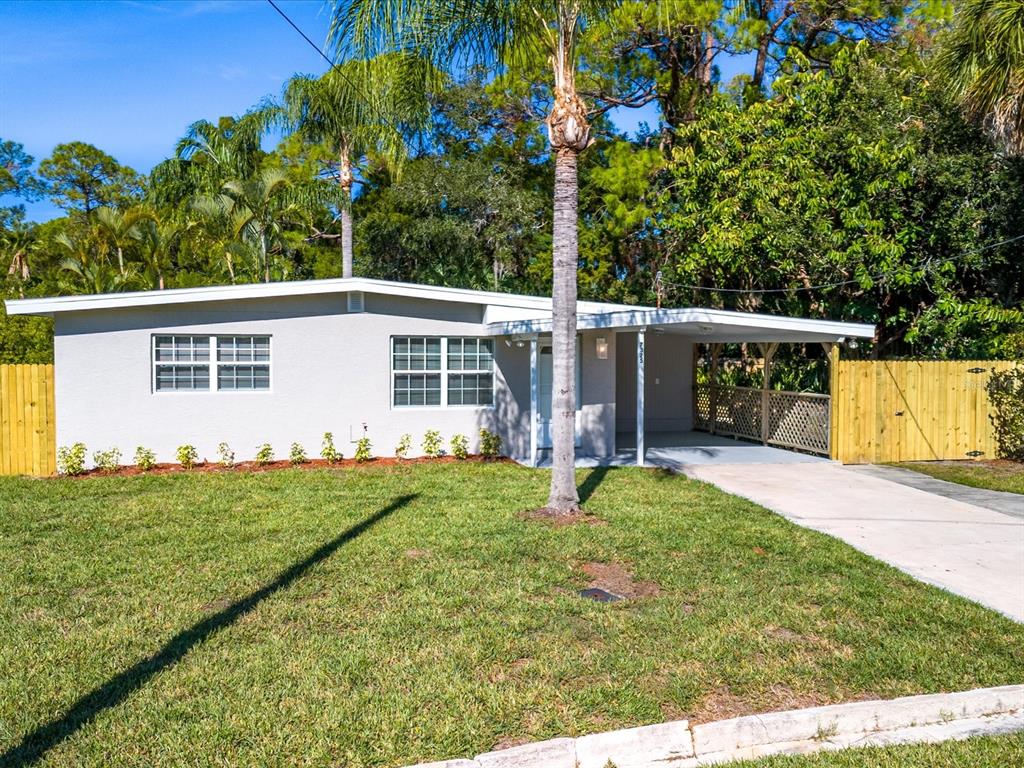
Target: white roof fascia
(718, 319)
(56, 304)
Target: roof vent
(355, 301)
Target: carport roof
(711, 325)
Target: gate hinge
(975, 454)
(977, 370)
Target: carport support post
(534, 398)
(640, 397)
(767, 352)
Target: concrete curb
(911, 719)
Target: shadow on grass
(588, 486)
(111, 693)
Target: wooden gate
(27, 420)
(912, 410)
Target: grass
(382, 616)
(993, 475)
(983, 752)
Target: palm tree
(509, 32)
(118, 230)
(982, 59)
(156, 240)
(357, 109)
(227, 149)
(18, 243)
(90, 273)
(259, 208)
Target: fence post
(713, 393)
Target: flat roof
(712, 324)
(56, 304)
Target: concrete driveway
(964, 548)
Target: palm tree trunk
(346, 235)
(563, 498)
(345, 180)
(266, 257)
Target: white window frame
(444, 370)
(213, 364)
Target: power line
(335, 67)
(825, 286)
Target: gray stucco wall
(330, 371)
(668, 383)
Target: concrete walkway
(975, 552)
(998, 501)
(676, 450)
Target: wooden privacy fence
(27, 420)
(912, 410)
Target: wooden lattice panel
(799, 420)
(739, 411)
(796, 419)
(702, 407)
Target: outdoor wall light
(602, 348)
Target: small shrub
(225, 456)
(145, 459)
(71, 461)
(1006, 393)
(297, 455)
(329, 453)
(187, 456)
(432, 443)
(460, 446)
(490, 444)
(364, 449)
(403, 447)
(264, 454)
(108, 461)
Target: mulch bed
(252, 466)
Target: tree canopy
(863, 166)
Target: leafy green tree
(982, 59)
(862, 181)
(16, 180)
(81, 178)
(453, 222)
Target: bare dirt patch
(722, 703)
(562, 519)
(418, 554)
(614, 578)
(507, 742)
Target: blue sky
(130, 75)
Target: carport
(659, 405)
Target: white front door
(545, 386)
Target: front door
(545, 386)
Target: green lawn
(985, 752)
(388, 615)
(994, 475)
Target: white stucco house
(285, 362)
